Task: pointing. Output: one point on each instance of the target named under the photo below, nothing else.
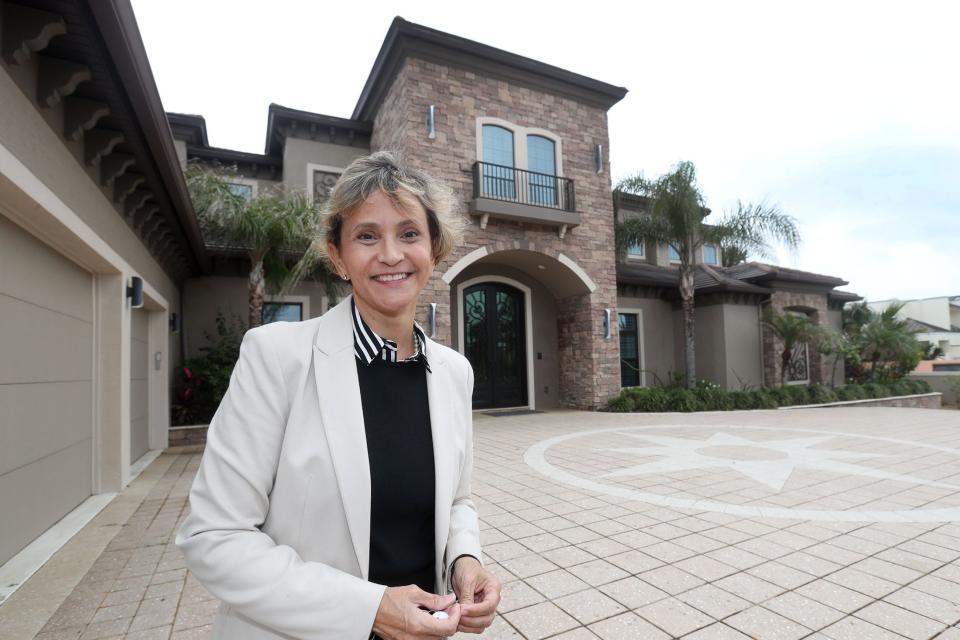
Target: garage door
(46, 387)
(139, 438)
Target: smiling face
(387, 253)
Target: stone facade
(588, 362)
(815, 306)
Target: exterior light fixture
(433, 319)
(607, 328)
(431, 122)
(135, 292)
(599, 159)
(174, 323)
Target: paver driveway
(837, 523)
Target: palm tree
(793, 330)
(676, 218)
(274, 228)
(882, 339)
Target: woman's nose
(390, 251)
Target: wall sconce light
(433, 319)
(174, 323)
(599, 159)
(135, 292)
(607, 328)
(431, 122)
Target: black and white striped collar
(368, 345)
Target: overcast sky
(846, 114)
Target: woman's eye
(411, 234)
(365, 236)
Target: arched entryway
(495, 315)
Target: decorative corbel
(98, 143)
(150, 227)
(136, 200)
(145, 213)
(562, 231)
(27, 30)
(80, 114)
(114, 166)
(56, 79)
(333, 134)
(125, 184)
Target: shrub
(819, 394)
(764, 399)
(851, 392)
(713, 398)
(741, 400)
(900, 388)
(798, 394)
(918, 386)
(620, 404)
(647, 399)
(681, 400)
(875, 390)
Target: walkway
(832, 524)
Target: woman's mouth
(392, 277)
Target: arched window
(542, 164)
(498, 174)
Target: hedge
(710, 397)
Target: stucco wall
(203, 297)
(946, 382)
(710, 344)
(743, 367)
(298, 152)
(55, 162)
(659, 328)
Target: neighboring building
(92, 199)
(936, 321)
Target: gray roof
(924, 327)
(761, 271)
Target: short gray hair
(382, 171)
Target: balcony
(525, 196)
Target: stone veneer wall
(815, 304)
(589, 364)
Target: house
(935, 321)
(95, 218)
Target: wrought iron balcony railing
(509, 184)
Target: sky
(846, 115)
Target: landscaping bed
(710, 397)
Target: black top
(396, 418)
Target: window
(323, 182)
(520, 163)
(798, 372)
(498, 179)
(710, 254)
(636, 250)
(542, 163)
(245, 191)
(674, 254)
(630, 367)
(281, 311)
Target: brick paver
(616, 558)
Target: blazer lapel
(444, 450)
(341, 412)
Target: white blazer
(279, 527)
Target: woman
(333, 497)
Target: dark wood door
(495, 344)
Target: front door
(495, 344)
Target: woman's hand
(401, 618)
(478, 592)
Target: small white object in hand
(440, 615)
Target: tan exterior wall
(710, 344)
(659, 353)
(741, 328)
(946, 382)
(298, 153)
(588, 363)
(203, 297)
(66, 260)
(139, 381)
(546, 366)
